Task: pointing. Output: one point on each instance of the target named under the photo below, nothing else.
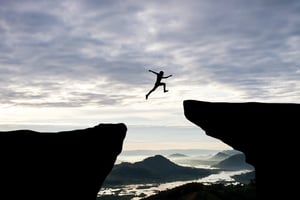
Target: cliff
(263, 131)
(63, 165)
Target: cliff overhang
(264, 132)
(63, 165)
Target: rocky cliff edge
(265, 132)
(64, 165)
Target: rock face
(63, 165)
(263, 131)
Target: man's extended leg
(151, 91)
(164, 85)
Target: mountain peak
(153, 169)
(158, 161)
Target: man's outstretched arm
(152, 71)
(167, 76)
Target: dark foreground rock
(64, 165)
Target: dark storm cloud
(248, 45)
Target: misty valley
(137, 176)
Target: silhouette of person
(159, 77)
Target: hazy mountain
(177, 155)
(234, 162)
(153, 169)
(232, 152)
(224, 154)
(208, 161)
(219, 156)
(193, 161)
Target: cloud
(241, 45)
(49, 46)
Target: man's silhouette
(158, 82)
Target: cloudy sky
(70, 63)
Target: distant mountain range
(158, 169)
(153, 169)
(224, 160)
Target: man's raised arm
(152, 71)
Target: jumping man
(158, 82)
